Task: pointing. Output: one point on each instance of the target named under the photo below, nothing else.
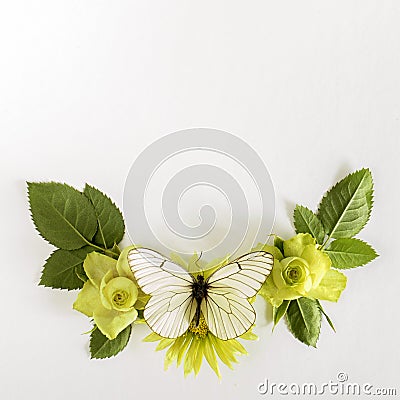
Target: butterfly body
(178, 298)
(199, 291)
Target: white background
(85, 86)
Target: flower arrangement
(87, 228)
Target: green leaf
(346, 207)
(111, 227)
(305, 221)
(102, 347)
(280, 311)
(62, 214)
(304, 319)
(350, 253)
(278, 242)
(60, 270)
(326, 316)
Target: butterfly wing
(171, 307)
(226, 308)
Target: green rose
(109, 296)
(301, 271)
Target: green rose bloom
(109, 296)
(301, 271)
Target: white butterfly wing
(171, 307)
(226, 309)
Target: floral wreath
(87, 228)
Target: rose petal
(272, 250)
(96, 266)
(270, 292)
(104, 300)
(331, 286)
(87, 299)
(277, 274)
(121, 285)
(123, 265)
(294, 247)
(112, 322)
(318, 262)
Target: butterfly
(178, 298)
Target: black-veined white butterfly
(177, 297)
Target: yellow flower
(303, 270)
(110, 296)
(198, 343)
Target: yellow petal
(123, 265)
(330, 287)
(188, 338)
(209, 354)
(164, 343)
(294, 247)
(249, 335)
(198, 359)
(289, 293)
(173, 351)
(277, 275)
(272, 250)
(121, 293)
(176, 258)
(112, 322)
(142, 299)
(237, 346)
(191, 354)
(193, 264)
(318, 262)
(270, 292)
(153, 337)
(96, 266)
(87, 300)
(228, 347)
(106, 278)
(224, 356)
(308, 283)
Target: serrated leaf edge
(112, 203)
(295, 334)
(93, 357)
(356, 266)
(298, 208)
(366, 170)
(29, 184)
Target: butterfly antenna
(197, 263)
